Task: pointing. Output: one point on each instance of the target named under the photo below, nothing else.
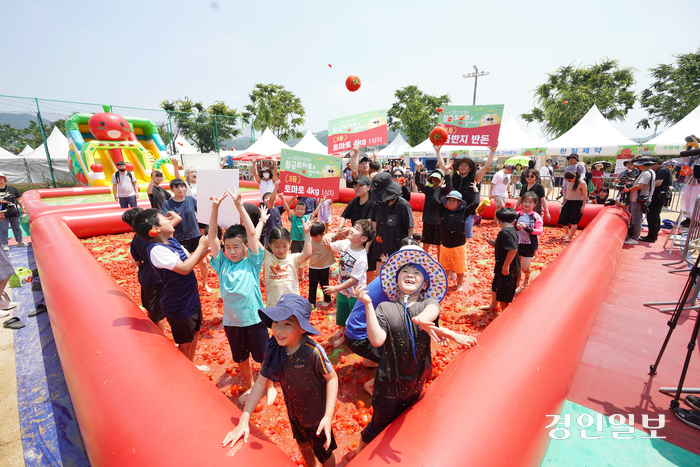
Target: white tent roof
(672, 140)
(425, 149)
(184, 147)
(511, 140)
(396, 148)
(537, 135)
(5, 154)
(26, 150)
(58, 147)
(592, 136)
(267, 145)
(309, 143)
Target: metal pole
(476, 78)
(46, 145)
(216, 135)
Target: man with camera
(661, 194)
(640, 197)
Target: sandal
(13, 323)
(39, 310)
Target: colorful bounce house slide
(98, 141)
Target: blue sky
(139, 53)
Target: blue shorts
(127, 201)
(468, 223)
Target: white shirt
(500, 183)
(546, 172)
(164, 258)
(125, 187)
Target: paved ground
(11, 451)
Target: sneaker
(689, 417)
(631, 241)
(4, 313)
(22, 244)
(693, 401)
(6, 247)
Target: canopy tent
(268, 144)
(426, 150)
(27, 149)
(593, 135)
(184, 147)
(672, 141)
(397, 148)
(512, 141)
(32, 167)
(5, 154)
(309, 143)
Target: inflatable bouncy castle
(98, 141)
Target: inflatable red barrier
(140, 402)
(489, 406)
(137, 399)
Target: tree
(164, 133)
(675, 93)
(415, 113)
(275, 108)
(571, 91)
(205, 126)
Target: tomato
(258, 408)
(439, 135)
(360, 404)
(364, 420)
(342, 359)
(221, 360)
(352, 83)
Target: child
(431, 208)
(602, 196)
(309, 383)
(150, 283)
(576, 194)
(529, 227)
(187, 232)
(506, 272)
(352, 270)
(298, 218)
(172, 264)
(324, 214)
(240, 290)
(274, 212)
(280, 266)
(319, 265)
(416, 284)
(453, 212)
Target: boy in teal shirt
(240, 289)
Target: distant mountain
(17, 120)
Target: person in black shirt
(506, 271)
(661, 194)
(392, 217)
(453, 212)
(157, 195)
(463, 175)
(431, 204)
(12, 207)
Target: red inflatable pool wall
(140, 402)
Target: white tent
(5, 154)
(512, 141)
(184, 147)
(397, 148)
(425, 149)
(592, 136)
(267, 145)
(672, 141)
(309, 143)
(37, 167)
(25, 151)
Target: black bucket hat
(384, 188)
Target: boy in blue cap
(308, 380)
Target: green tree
(571, 91)
(675, 93)
(415, 113)
(206, 126)
(275, 108)
(164, 133)
(9, 137)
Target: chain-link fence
(34, 148)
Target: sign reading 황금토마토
(471, 125)
(308, 174)
(365, 129)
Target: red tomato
(352, 83)
(221, 360)
(258, 408)
(342, 359)
(439, 135)
(360, 404)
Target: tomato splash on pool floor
(459, 311)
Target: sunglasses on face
(396, 176)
